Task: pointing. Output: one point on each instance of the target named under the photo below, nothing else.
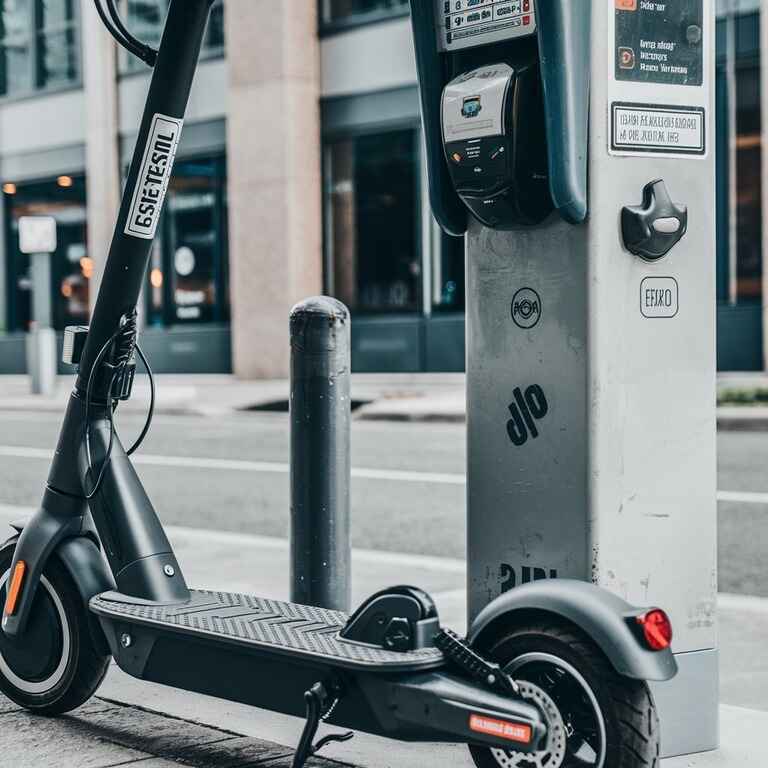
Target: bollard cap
(320, 324)
(326, 306)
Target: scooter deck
(259, 624)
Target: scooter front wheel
(55, 666)
(610, 721)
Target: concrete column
(102, 150)
(274, 155)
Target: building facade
(301, 170)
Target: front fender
(45, 535)
(600, 614)
(85, 564)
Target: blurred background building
(301, 169)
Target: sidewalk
(105, 734)
(376, 397)
(133, 722)
(422, 395)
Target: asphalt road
(407, 492)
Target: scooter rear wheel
(611, 721)
(55, 667)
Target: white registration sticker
(154, 177)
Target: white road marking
(745, 603)
(205, 537)
(742, 497)
(280, 468)
(237, 465)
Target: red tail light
(657, 629)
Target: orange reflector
(15, 589)
(500, 728)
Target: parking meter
(498, 168)
(570, 143)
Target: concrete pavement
(154, 727)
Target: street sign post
(38, 239)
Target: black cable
(126, 339)
(147, 54)
(114, 24)
(87, 426)
(151, 413)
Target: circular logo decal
(526, 308)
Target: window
(145, 19)
(739, 157)
(749, 242)
(38, 45)
(71, 268)
(448, 273)
(373, 220)
(56, 44)
(345, 12)
(188, 281)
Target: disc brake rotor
(553, 754)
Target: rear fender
(605, 618)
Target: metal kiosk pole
(573, 144)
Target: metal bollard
(320, 453)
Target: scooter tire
(623, 711)
(56, 666)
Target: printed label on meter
(469, 23)
(657, 129)
(660, 41)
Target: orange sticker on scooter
(503, 729)
(626, 5)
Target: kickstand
(316, 699)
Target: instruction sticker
(154, 177)
(658, 129)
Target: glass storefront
(748, 166)
(739, 186)
(71, 268)
(340, 12)
(448, 273)
(373, 220)
(188, 280)
(39, 46)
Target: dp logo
(526, 308)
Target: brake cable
(123, 343)
(110, 15)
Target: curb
(753, 420)
(431, 418)
(746, 423)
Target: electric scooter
(551, 674)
